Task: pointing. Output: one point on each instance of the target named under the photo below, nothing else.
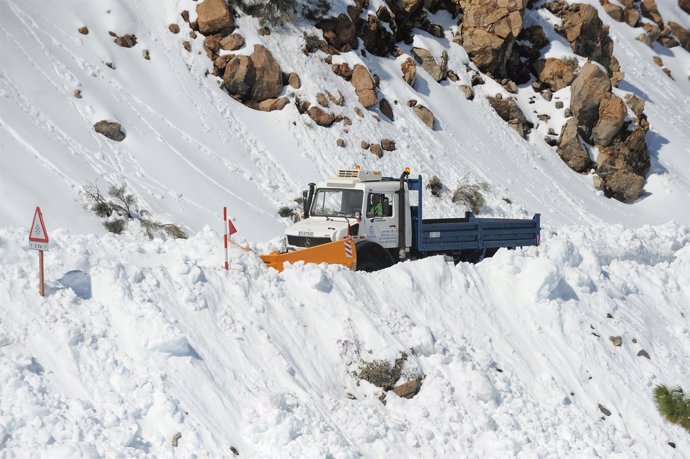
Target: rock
(294, 80)
(234, 451)
(657, 60)
(467, 91)
(635, 103)
(586, 33)
(359, 112)
(174, 28)
(176, 439)
(547, 95)
(146, 54)
(83, 30)
(213, 17)
(339, 32)
(556, 73)
(364, 86)
(587, 91)
(321, 99)
(340, 143)
(110, 130)
(110, 64)
(615, 11)
(321, 117)
(643, 353)
(126, 41)
(616, 340)
(604, 410)
(409, 71)
(489, 30)
(408, 389)
(342, 70)
(220, 63)
(412, 102)
(598, 183)
(650, 10)
(388, 144)
(185, 16)
(684, 5)
(408, 6)
(428, 63)
(623, 186)
(376, 149)
(571, 150)
(365, 145)
(452, 76)
(612, 113)
(212, 45)
(425, 115)
(270, 105)
(551, 141)
(339, 101)
(509, 86)
(77, 93)
(187, 45)
(386, 109)
(377, 38)
(269, 77)
(239, 76)
(232, 42)
(559, 105)
(681, 33)
(544, 118)
(264, 31)
(631, 17)
(509, 112)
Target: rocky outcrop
(622, 167)
(556, 74)
(255, 78)
(571, 150)
(426, 60)
(489, 30)
(110, 129)
(213, 17)
(364, 86)
(509, 112)
(590, 87)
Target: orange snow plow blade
(340, 252)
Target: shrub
(435, 185)
(273, 12)
(315, 10)
(470, 195)
(312, 42)
(380, 373)
(289, 212)
(115, 226)
(673, 405)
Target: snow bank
(137, 340)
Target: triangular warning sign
(38, 228)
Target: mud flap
(340, 252)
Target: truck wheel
(372, 257)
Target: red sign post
(38, 240)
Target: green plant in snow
(673, 405)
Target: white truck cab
(360, 203)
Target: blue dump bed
(469, 233)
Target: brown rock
(604, 410)
(364, 86)
(359, 112)
(452, 76)
(409, 71)
(612, 113)
(376, 149)
(126, 41)
(239, 76)
(212, 45)
(388, 144)
(339, 32)
(321, 117)
(339, 101)
(684, 5)
(110, 130)
(377, 38)
(624, 186)
(386, 109)
(510, 86)
(192, 35)
(185, 16)
(681, 33)
(187, 45)
(343, 70)
(408, 389)
(425, 115)
(428, 63)
(509, 112)
(365, 145)
(321, 99)
(616, 340)
(269, 77)
(467, 91)
(270, 105)
(77, 93)
(294, 80)
(174, 28)
(587, 91)
(83, 30)
(586, 33)
(220, 63)
(631, 17)
(146, 54)
(340, 143)
(635, 103)
(232, 42)
(213, 16)
(615, 11)
(556, 73)
(650, 10)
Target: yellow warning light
(407, 170)
(357, 167)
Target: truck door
(381, 218)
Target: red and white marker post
(38, 240)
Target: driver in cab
(375, 206)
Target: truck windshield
(335, 202)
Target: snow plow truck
(368, 222)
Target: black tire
(372, 257)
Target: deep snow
(137, 340)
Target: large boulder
(232, 42)
(340, 32)
(377, 37)
(651, 11)
(364, 86)
(509, 112)
(321, 117)
(556, 73)
(590, 87)
(425, 115)
(488, 31)
(269, 77)
(426, 60)
(213, 17)
(623, 165)
(110, 129)
(239, 76)
(612, 113)
(571, 150)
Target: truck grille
(307, 241)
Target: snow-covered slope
(137, 340)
